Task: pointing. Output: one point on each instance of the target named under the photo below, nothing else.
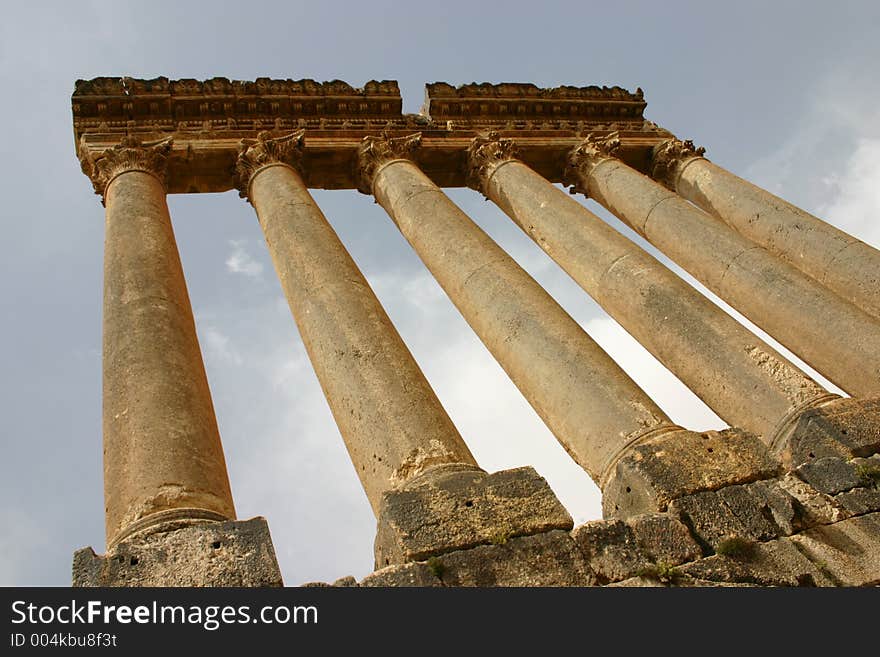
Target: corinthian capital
(129, 155)
(376, 151)
(484, 154)
(669, 157)
(585, 156)
(254, 154)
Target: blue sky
(783, 93)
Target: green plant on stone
(735, 546)
(869, 473)
(662, 572)
(499, 537)
(436, 567)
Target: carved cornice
(484, 154)
(669, 157)
(376, 151)
(265, 150)
(122, 104)
(129, 155)
(501, 104)
(583, 158)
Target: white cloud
(219, 347)
(856, 206)
(241, 262)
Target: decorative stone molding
(669, 157)
(265, 150)
(497, 104)
(129, 155)
(376, 151)
(484, 154)
(584, 157)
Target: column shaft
(833, 336)
(162, 453)
(740, 377)
(392, 422)
(593, 408)
(838, 260)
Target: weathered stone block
(548, 559)
(751, 511)
(663, 540)
(678, 581)
(843, 428)
(709, 518)
(616, 549)
(830, 474)
(848, 551)
(759, 511)
(782, 507)
(450, 508)
(775, 563)
(610, 549)
(408, 574)
(859, 500)
(235, 553)
(814, 508)
(683, 463)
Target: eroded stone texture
(547, 559)
(235, 553)
(843, 428)
(616, 549)
(669, 467)
(848, 551)
(408, 574)
(453, 508)
(775, 563)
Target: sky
(783, 93)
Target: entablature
(208, 119)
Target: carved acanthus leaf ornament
(255, 154)
(131, 154)
(376, 151)
(484, 154)
(584, 157)
(669, 158)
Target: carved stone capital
(129, 155)
(376, 151)
(265, 150)
(669, 158)
(583, 158)
(484, 155)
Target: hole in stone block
(710, 450)
(215, 545)
(469, 503)
(811, 455)
(843, 431)
(134, 561)
(628, 489)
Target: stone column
(838, 260)
(593, 408)
(167, 495)
(740, 377)
(832, 335)
(162, 453)
(392, 422)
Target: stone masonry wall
(818, 525)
